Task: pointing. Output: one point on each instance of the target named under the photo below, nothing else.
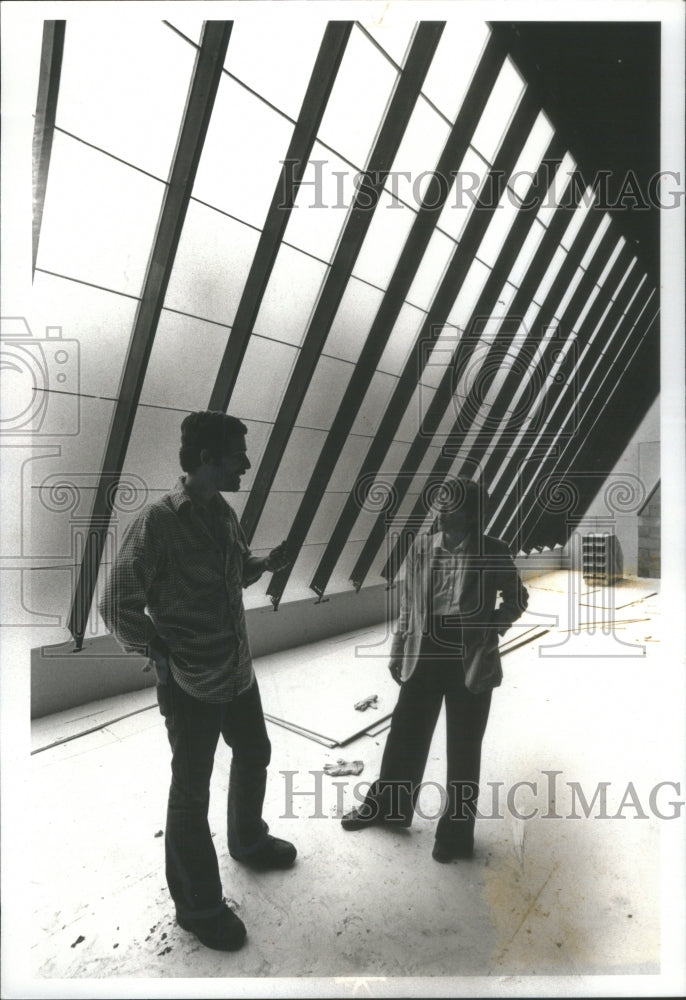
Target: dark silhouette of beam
(52, 50)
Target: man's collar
(179, 496)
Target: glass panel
(526, 254)
(275, 522)
(393, 32)
(390, 468)
(451, 415)
(610, 264)
(414, 414)
(364, 524)
(242, 155)
(57, 490)
(402, 338)
(211, 265)
(465, 379)
(557, 190)
(593, 245)
(99, 219)
(503, 303)
(403, 513)
(97, 324)
(628, 271)
(321, 205)
(465, 192)
(430, 271)
(348, 464)
(384, 241)
(298, 459)
(454, 63)
(497, 115)
(374, 578)
(418, 154)
(353, 319)
(262, 380)
(498, 228)
(153, 452)
(530, 315)
(42, 598)
(471, 288)
(374, 404)
(326, 517)
(569, 292)
(183, 363)
(324, 393)
(358, 100)
(530, 157)
(587, 305)
(292, 291)
(556, 263)
(340, 578)
(190, 26)
(111, 95)
(438, 354)
(576, 221)
(275, 56)
(426, 466)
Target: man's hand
(395, 667)
(159, 652)
(277, 559)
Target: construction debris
(344, 767)
(371, 702)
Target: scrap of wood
(522, 642)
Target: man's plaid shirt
(179, 574)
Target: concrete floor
(543, 897)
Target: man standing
(445, 646)
(175, 595)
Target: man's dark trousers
(439, 674)
(193, 728)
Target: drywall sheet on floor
(82, 719)
(312, 690)
(315, 688)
